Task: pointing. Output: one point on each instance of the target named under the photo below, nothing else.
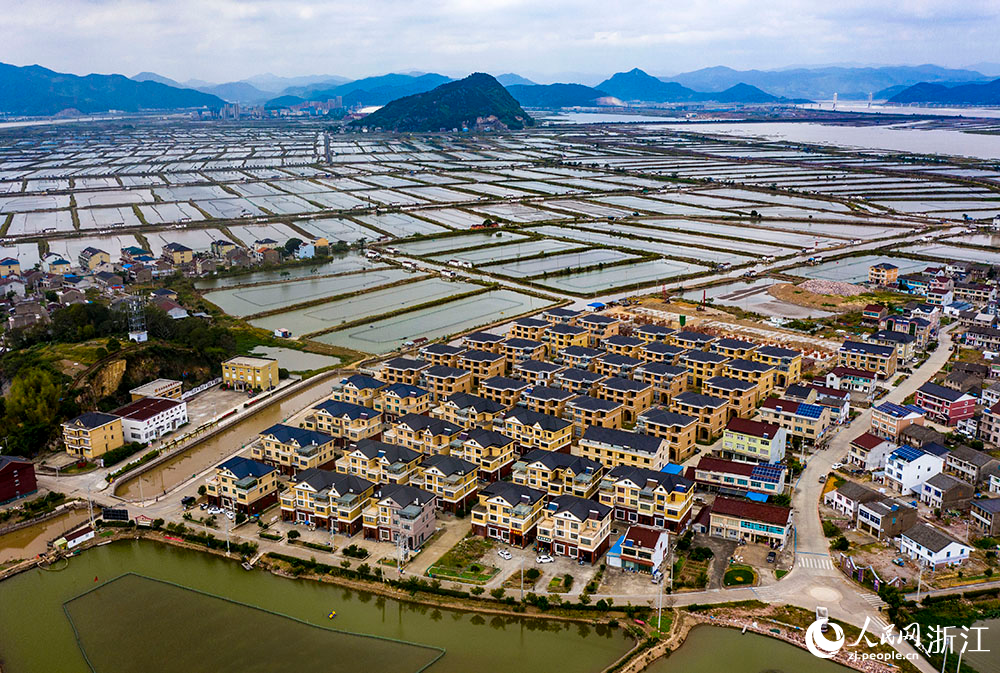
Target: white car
(504, 554)
(544, 558)
(836, 466)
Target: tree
(292, 245)
(33, 398)
(202, 490)
(114, 345)
(294, 535)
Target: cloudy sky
(222, 40)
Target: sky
(548, 40)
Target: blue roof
(246, 467)
(899, 411)
(810, 410)
(907, 453)
(671, 468)
(596, 304)
(756, 497)
(770, 473)
(616, 548)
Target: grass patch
(560, 584)
(463, 562)
(739, 576)
(531, 576)
(780, 573)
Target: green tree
(33, 398)
(292, 245)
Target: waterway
(183, 466)
(36, 637)
(33, 540)
(711, 649)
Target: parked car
(822, 479)
(504, 554)
(544, 558)
(771, 557)
(837, 466)
(188, 501)
(898, 561)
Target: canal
(37, 637)
(33, 540)
(172, 472)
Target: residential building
(946, 492)
(905, 344)
(586, 411)
(177, 253)
(343, 421)
(442, 381)
(759, 373)
(429, 436)
(453, 480)
(633, 396)
(485, 341)
(657, 351)
(561, 316)
(641, 549)
(882, 360)
(619, 447)
(578, 381)
(736, 477)
(469, 411)
(678, 430)
(985, 516)
(883, 274)
(920, 436)
(534, 430)
(149, 418)
(91, 258)
(885, 518)
(907, 468)
(889, 420)
(508, 512)
(692, 340)
(399, 399)
(710, 412)
(243, 485)
(250, 373)
(740, 396)
(616, 365)
(930, 547)
(329, 500)
(401, 513)
(578, 357)
(17, 478)
(441, 354)
(531, 329)
(701, 366)
(751, 521)
(799, 419)
(969, 464)
(668, 380)
(943, 405)
(546, 400)
(869, 451)
(787, 364)
(559, 473)
(292, 449)
(620, 345)
(503, 390)
(859, 381)
(537, 372)
(379, 463)
(91, 435)
(482, 364)
(358, 389)
(575, 527)
(492, 452)
(753, 441)
(648, 497)
(403, 370)
(562, 335)
(847, 498)
(599, 327)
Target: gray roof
(946, 482)
(928, 537)
(511, 493)
(581, 508)
(969, 455)
(857, 492)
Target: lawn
(739, 576)
(463, 562)
(560, 584)
(531, 576)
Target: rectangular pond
(578, 260)
(447, 319)
(433, 245)
(855, 269)
(619, 276)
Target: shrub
(477, 591)
(294, 535)
(202, 490)
(830, 528)
(701, 554)
(497, 593)
(567, 580)
(840, 544)
(532, 574)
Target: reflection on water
(33, 540)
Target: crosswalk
(873, 600)
(816, 562)
(767, 593)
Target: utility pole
(920, 579)
(90, 506)
(522, 578)
(228, 524)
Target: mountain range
(476, 102)
(822, 83)
(968, 93)
(34, 90)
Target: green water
(713, 649)
(36, 636)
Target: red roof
(867, 441)
(729, 466)
(874, 308)
(146, 408)
(754, 511)
(756, 428)
(643, 537)
(780, 404)
(849, 371)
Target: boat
(246, 565)
(333, 613)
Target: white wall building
(931, 547)
(150, 418)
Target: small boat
(333, 613)
(246, 565)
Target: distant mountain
(372, 90)
(638, 85)
(34, 90)
(197, 84)
(971, 93)
(474, 102)
(511, 79)
(270, 82)
(283, 101)
(822, 83)
(555, 95)
(740, 93)
(237, 92)
(146, 76)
